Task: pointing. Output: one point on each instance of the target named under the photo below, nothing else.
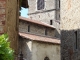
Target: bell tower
(47, 11)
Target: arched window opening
(46, 58)
(40, 4)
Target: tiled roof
(36, 22)
(39, 38)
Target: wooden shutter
(40, 4)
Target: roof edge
(53, 41)
(35, 22)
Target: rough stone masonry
(70, 29)
(2, 15)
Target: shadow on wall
(70, 44)
(24, 48)
(57, 34)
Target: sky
(24, 12)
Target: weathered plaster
(41, 50)
(70, 22)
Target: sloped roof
(39, 38)
(36, 22)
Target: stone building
(47, 11)
(70, 30)
(9, 21)
(37, 40)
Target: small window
(46, 31)
(28, 28)
(46, 58)
(40, 4)
(51, 22)
(76, 40)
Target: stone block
(2, 11)
(2, 17)
(2, 4)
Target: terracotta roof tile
(36, 22)
(39, 38)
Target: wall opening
(40, 4)
(24, 3)
(46, 58)
(28, 28)
(46, 31)
(51, 22)
(23, 8)
(76, 40)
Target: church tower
(47, 11)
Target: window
(51, 22)
(40, 4)
(46, 31)
(76, 40)
(28, 28)
(46, 58)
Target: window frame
(43, 5)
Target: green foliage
(6, 53)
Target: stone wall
(70, 29)
(35, 29)
(2, 15)
(50, 12)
